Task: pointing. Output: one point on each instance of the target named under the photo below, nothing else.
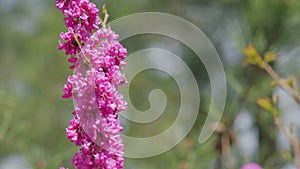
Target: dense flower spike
(81, 19)
(97, 60)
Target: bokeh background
(33, 116)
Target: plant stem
(281, 82)
(225, 141)
(293, 140)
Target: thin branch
(292, 139)
(281, 82)
(105, 20)
(104, 11)
(225, 141)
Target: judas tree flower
(97, 62)
(94, 90)
(81, 19)
(251, 166)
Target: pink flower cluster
(81, 19)
(98, 62)
(94, 89)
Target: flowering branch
(97, 59)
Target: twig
(225, 142)
(292, 139)
(281, 82)
(104, 11)
(105, 20)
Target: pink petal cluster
(81, 19)
(251, 166)
(94, 89)
(97, 61)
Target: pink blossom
(81, 19)
(63, 168)
(94, 90)
(75, 132)
(62, 4)
(251, 166)
(68, 89)
(97, 61)
(69, 43)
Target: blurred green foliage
(33, 117)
